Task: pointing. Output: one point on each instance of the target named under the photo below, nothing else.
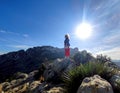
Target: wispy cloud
(2, 39)
(8, 32)
(25, 35)
(114, 53)
(113, 39)
(14, 38)
(108, 45)
(13, 33)
(16, 43)
(20, 46)
(2, 31)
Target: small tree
(103, 58)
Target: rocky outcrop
(29, 85)
(115, 82)
(16, 84)
(29, 60)
(21, 84)
(33, 87)
(54, 70)
(56, 90)
(95, 84)
(83, 57)
(26, 83)
(47, 79)
(112, 65)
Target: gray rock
(5, 86)
(33, 87)
(56, 90)
(55, 69)
(115, 82)
(95, 84)
(21, 76)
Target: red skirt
(67, 52)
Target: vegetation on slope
(74, 77)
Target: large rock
(115, 82)
(19, 89)
(11, 88)
(6, 86)
(34, 87)
(19, 85)
(95, 84)
(57, 68)
(56, 90)
(20, 75)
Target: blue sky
(30, 23)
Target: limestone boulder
(33, 87)
(21, 75)
(5, 86)
(115, 82)
(56, 90)
(95, 84)
(54, 71)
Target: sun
(83, 31)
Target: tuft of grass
(74, 77)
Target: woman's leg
(67, 52)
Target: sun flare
(83, 31)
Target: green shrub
(103, 58)
(73, 78)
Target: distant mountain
(117, 62)
(29, 60)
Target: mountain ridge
(46, 70)
(29, 60)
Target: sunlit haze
(93, 25)
(83, 31)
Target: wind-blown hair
(67, 36)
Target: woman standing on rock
(67, 46)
